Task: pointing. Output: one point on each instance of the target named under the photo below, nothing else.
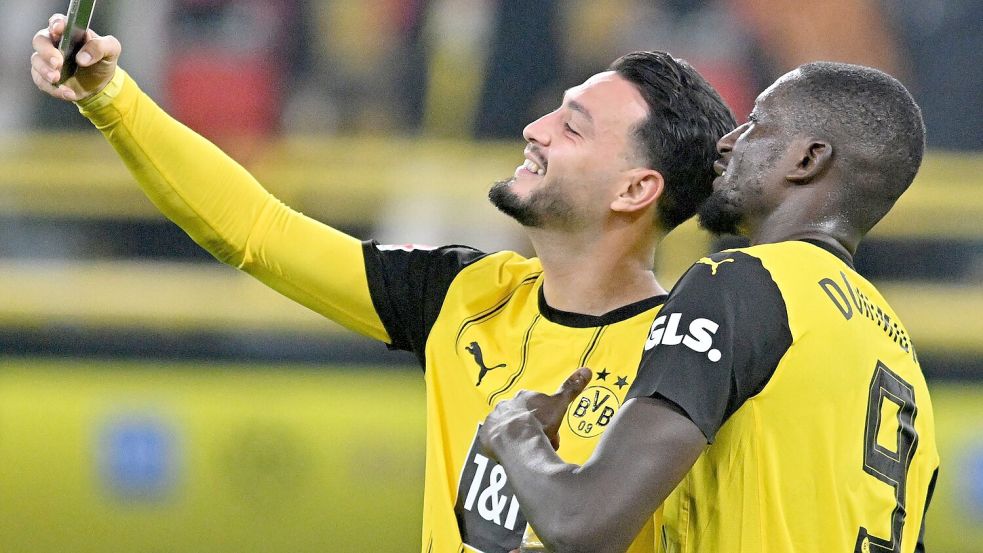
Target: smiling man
(780, 356)
(626, 157)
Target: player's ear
(644, 186)
(814, 158)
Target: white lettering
(513, 514)
(490, 503)
(701, 335)
(671, 336)
(482, 463)
(655, 335)
(665, 331)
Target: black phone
(79, 17)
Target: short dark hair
(875, 126)
(679, 138)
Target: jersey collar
(579, 320)
(842, 256)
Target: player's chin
(525, 183)
(719, 216)
(503, 196)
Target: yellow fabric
(786, 472)
(222, 207)
(492, 302)
(538, 355)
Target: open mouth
(720, 167)
(533, 167)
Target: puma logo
(475, 350)
(714, 265)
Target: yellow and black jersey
(808, 389)
(477, 322)
(481, 328)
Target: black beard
(545, 207)
(507, 202)
(719, 216)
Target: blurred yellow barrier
(154, 295)
(98, 457)
(349, 180)
(185, 458)
(360, 182)
(191, 297)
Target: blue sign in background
(138, 457)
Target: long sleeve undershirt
(225, 210)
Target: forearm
(225, 210)
(190, 180)
(555, 497)
(601, 505)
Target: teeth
(534, 167)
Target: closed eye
(570, 129)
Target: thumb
(573, 385)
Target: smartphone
(79, 16)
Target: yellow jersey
(482, 329)
(808, 388)
(477, 323)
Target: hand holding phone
(71, 62)
(76, 25)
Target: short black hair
(875, 126)
(679, 137)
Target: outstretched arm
(641, 457)
(217, 202)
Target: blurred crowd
(484, 68)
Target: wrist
(105, 95)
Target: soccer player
(627, 156)
(789, 364)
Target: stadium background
(153, 400)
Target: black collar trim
(841, 255)
(579, 320)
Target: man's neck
(782, 227)
(595, 275)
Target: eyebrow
(579, 108)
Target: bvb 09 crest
(590, 413)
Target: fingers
(573, 385)
(46, 86)
(61, 92)
(45, 78)
(98, 49)
(44, 46)
(57, 23)
(45, 41)
(56, 26)
(44, 69)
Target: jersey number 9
(889, 466)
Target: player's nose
(726, 142)
(538, 131)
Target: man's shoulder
(501, 269)
(781, 262)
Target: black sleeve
(408, 285)
(920, 544)
(717, 340)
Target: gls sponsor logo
(665, 331)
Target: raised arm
(216, 201)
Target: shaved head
(873, 123)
